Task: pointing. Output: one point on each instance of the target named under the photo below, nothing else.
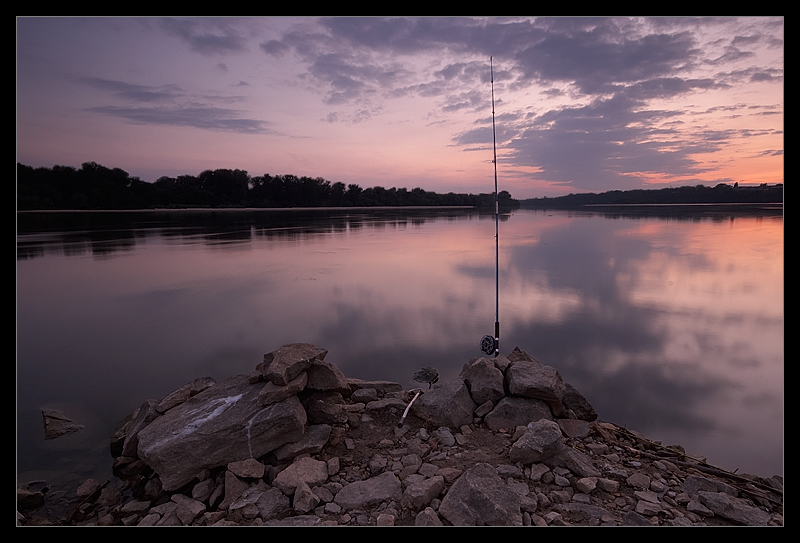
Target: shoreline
(589, 473)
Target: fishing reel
(488, 345)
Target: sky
(580, 104)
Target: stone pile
(507, 443)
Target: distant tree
(337, 197)
(354, 194)
(94, 186)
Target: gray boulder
(222, 424)
(535, 380)
(511, 412)
(542, 439)
(323, 375)
(695, 483)
(480, 498)
(286, 363)
(427, 517)
(56, 424)
(184, 393)
(305, 470)
(735, 509)
(575, 461)
(577, 404)
(272, 393)
(325, 407)
(518, 355)
(146, 414)
(372, 491)
(382, 387)
(420, 494)
(485, 381)
(447, 405)
(312, 442)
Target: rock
(574, 427)
(421, 494)
(633, 518)
(511, 412)
(204, 490)
(325, 407)
(272, 393)
(427, 517)
(234, 488)
(323, 375)
(28, 499)
(577, 404)
(288, 362)
(729, 507)
(364, 395)
(184, 393)
(382, 387)
(587, 513)
(222, 424)
(147, 413)
(56, 424)
(388, 406)
(450, 404)
(541, 440)
(312, 442)
(305, 470)
(360, 494)
(223, 458)
(575, 461)
(188, 509)
(480, 498)
(444, 436)
(639, 480)
(518, 355)
(693, 484)
(248, 468)
(272, 503)
(535, 380)
(88, 487)
(485, 381)
(300, 520)
(647, 508)
(304, 500)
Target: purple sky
(582, 104)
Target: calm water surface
(670, 323)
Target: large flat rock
(224, 423)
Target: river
(670, 320)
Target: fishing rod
(491, 344)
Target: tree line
(722, 193)
(96, 187)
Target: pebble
(631, 489)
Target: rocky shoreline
(296, 443)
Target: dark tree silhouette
(97, 187)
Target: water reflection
(676, 329)
(102, 232)
(671, 326)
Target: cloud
(597, 60)
(621, 67)
(588, 102)
(206, 36)
(203, 117)
(274, 47)
(609, 142)
(134, 92)
(172, 107)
